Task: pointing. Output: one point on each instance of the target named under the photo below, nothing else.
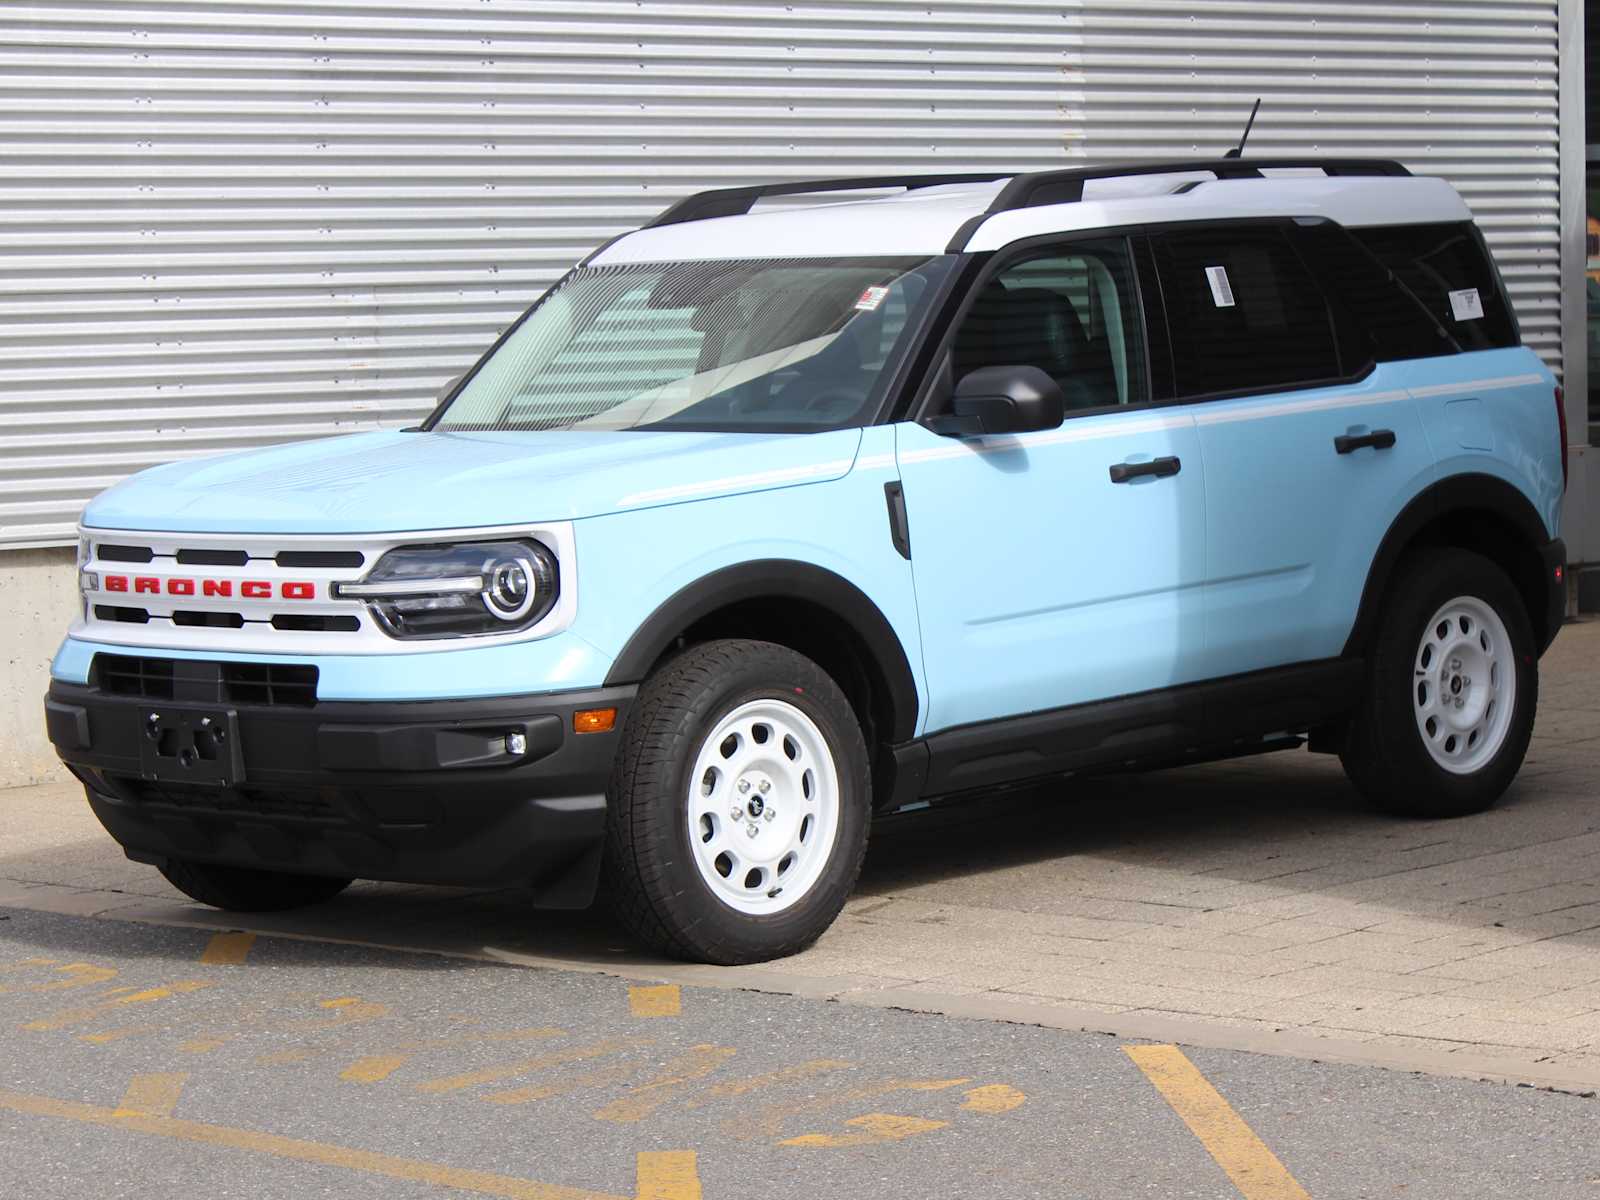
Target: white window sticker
(1221, 289)
(1466, 304)
(871, 298)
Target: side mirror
(1010, 399)
(450, 386)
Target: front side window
(1073, 313)
(781, 345)
(1244, 312)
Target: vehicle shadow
(1283, 830)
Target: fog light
(594, 720)
(516, 743)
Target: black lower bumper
(493, 793)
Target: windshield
(775, 345)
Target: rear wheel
(244, 889)
(737, 814)
(1451, 690)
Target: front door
(1063, 566)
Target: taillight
(1561, 423)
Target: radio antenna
(1239, 149)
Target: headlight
(466, 590)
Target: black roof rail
(1028, 190)
(1038, 188)
(735, 201)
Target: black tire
(243, 889)
(651, 877)
(1385, 754)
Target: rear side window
(1244, 311)
(1379, 319)
(1449, 271)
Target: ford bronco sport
(763, 521)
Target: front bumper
(414, 792)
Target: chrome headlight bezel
(456, 590)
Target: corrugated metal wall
(229, 222)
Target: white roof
(922, 222)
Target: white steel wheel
(1465, 686)
(763, 807)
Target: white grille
(268, 594)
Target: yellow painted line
(873, 1129)
(204, 1045)
(663, 1000)
(347, 1010)
(523, 1066)
(650, 1095)
(483, 1183)
(1254, 1169)
(667, 1175)
(284, 1058)
(115, 1035)
(76, 975)
(375, 1068)
(78, 1016)
(227, 949)
(755, 1083)
(603, 1078)
(152, 1095)
(769, 1121)
(993, 1099)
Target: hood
(394, 482)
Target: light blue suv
(809, 502)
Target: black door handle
(1378, 439)
(1123, 472)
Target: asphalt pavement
(147, 1060)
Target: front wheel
(737, 813)
(1452, 687)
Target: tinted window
(1073, 313)
(1378, 319)
(1449, 271)
(1244, 312)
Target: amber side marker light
(594, 720)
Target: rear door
(1047, 572)
(1312, 446)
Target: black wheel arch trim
(786, 579)
(1458, 493)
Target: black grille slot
(212, 620)
(269, 683)
(117, 612)
(213, 558)
(152, 678)
(312, 623)
(305, 803)
(107, 553)
(321, 558)
(189, 680)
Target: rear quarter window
(1379, 319)
(1442, 266)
